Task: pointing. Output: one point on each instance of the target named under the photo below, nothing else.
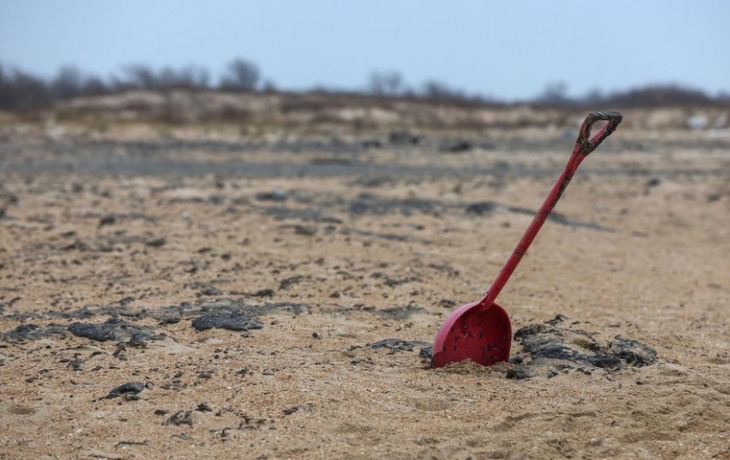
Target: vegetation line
(23, 91)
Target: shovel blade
(475, 331)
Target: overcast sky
(506, 49)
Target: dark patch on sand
(369, 204)
(232, 321)
(392, 313)
(557, 348)
(399, 345)
(115, 329)
(306, 214)
(554, 348)
(399, 313)
(487, 207)
(30, 331)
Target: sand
(313, 262)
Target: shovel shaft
(583, 146)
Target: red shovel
(481, 331)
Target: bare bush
(190, 77)
(434, 91)
(240, 75)
(440, 91)
(22, 91)
(140, 76)
(70, 82)
(95, 86)
(594, 97)
(555, 94)
(386, 84)
(660, 96)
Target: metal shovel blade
(482, 333)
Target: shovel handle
(584, 145)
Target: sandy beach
(224, 298)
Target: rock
(180, 418)
(232, 321)
(632, 352)
(403, 138)
(457, 146)
(552, 348)
(211, 290)
(32, 331)
(109, 219)
(115, 329)
(275, 195)
(306, 230)
(156, 242)
(203, 407)
(125, 389)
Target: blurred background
(569, 54)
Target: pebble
(130, 388)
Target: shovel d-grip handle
(584, 145)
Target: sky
(504, 49)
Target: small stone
(125, 389)
(263, 293)
(107, 220)
(180, 418)
(156, 242)
(203, 407)
(306, 230)
(457, 146)
(211, 290)
(276, 194)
